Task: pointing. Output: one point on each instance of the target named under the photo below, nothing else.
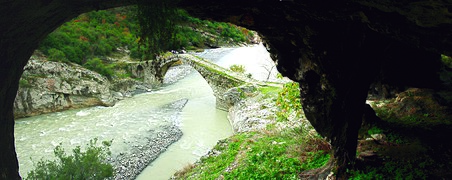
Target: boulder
(48, 86)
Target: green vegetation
(157, 20)
(97, 65)
(92, 36)
(99, 34)
(374, 130)
(446, 60)
(272, 153)
(413, 125)
(238, 68)
(260, 155)
(24, 83)
(288, 101)
(270, 91)
(88, 164)
(413, 168)
(407, 147)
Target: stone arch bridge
(220, 79)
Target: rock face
(249, 112)
(51, 86)
(337, 49)
(47, 86)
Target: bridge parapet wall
(220, 79)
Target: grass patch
(260, 155)
(270, 90)
(280, 151)
(414, 125)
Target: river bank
(262, 146)
(398, 144)
(129, 165)
(193, 143)
(131, 123)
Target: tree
(157, 21)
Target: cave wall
(23, 25)
(337, 49)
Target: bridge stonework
(153, 71)
(220, 79)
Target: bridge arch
(219, 79)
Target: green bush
(88, 164)
(99, 33)
(446, 60)
(288, 101)
(97, 65)
(56, 55)
(238, 68)
(23, 83)
(92, 34)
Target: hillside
(102, 33)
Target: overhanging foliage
(157, 21)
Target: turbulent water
(186, 105)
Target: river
(132, 121)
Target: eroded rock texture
(23, 24)
(335, 49)
(48, 86)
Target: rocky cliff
(48, 86)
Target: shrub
(88, 164)
(99, 33)
(56, 55)
(23, 83)
(288, 101)
(92, 34)
(446, 60)
(237, 68)
(97, 65)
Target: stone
(51, 86)
(337, 51)
(378, 137)
(236, 94)
(252, 113)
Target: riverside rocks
(129, 165)
(177, 73)
(251, 114)
(252, 110)
(235, 95)
(48, 86)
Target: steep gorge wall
(48, 86)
